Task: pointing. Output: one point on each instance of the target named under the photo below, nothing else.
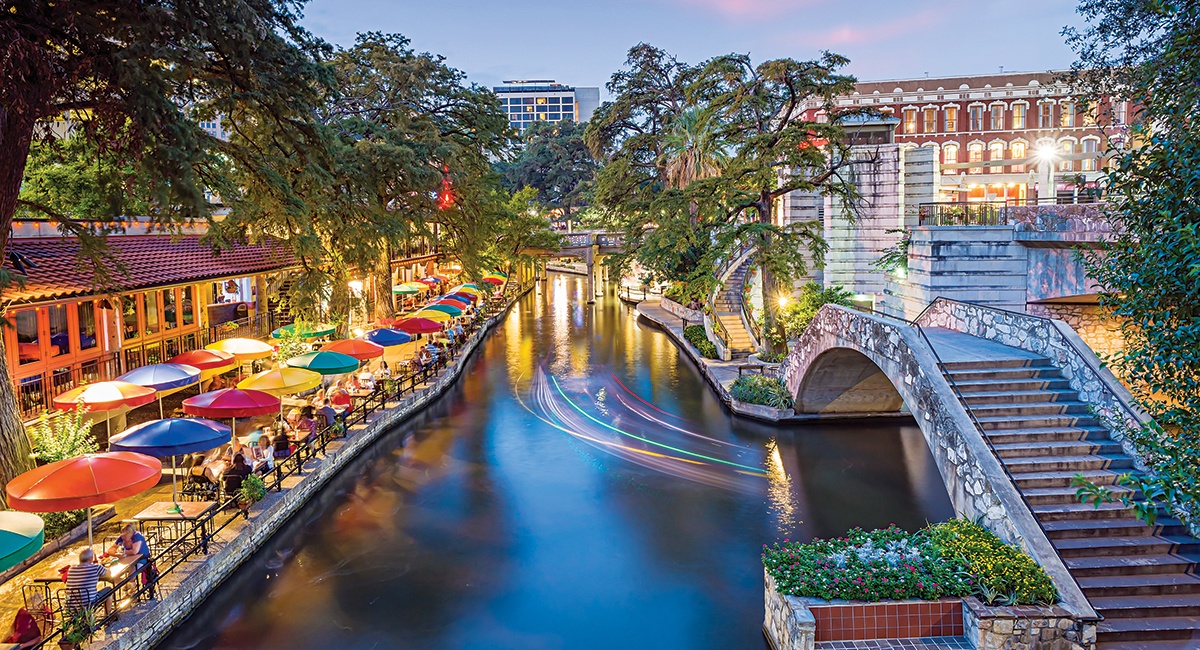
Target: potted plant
(78, 627)
(252, 491)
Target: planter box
(906, 619)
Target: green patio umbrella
(325, 362)
(445, 309)
(314, 331)
(409, 288)
(20, 537)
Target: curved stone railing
(976, 481)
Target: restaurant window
(1090, 147)
(60, 333)
(1089, 115)
(951, 118)
(170, 316)
(86, 315)
(1018, 152)
(976, 117)
(1018, 116)
(975, 154)
(129, 318)
(910, 120)
(188, 305)
(151, 310)
(1066, 164)
(28, 350)
(998, 117)
(1120, 113)
(1066, 114)
(996, 152)
(949, 154)
(931, 120)
(1045, 115)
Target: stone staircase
(728, 312)
(1142, 579)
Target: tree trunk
(15, 457)
(774, 340)
(382, 279)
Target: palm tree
(693, 149)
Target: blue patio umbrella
(387, 337)
(20, 537)
(171, 438)
(162, 376)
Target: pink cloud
(859, 33)
(749, 8)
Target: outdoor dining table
(116, 571)
(189, 511)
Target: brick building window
(949, 154)
(1018, 152)
(976, 116)
(951, 118)
(1045, 115)
(975, 154)
(1066, 114)
(910, 120)
(1068, 148)
(1090, 147)
(931, 120)
(1018, 116)
(996, 152)
(997, 117)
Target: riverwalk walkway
(193, 574)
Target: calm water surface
(580, 487)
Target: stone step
(1046, 496)
(1068, 463)
(1008, 374)
(1126, 565)
(1048, 434)
(1019, 397)
(1076, 511)
(1063, 478)
(998, 422)
(1147, 645)
(1148, 584)
(1013, 385)
(1057, 448)
(1100, 528)
(1030, 409)
(1157, 628)
(987, 364)
(1134, 545)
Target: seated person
(307, 425)
(340, 398)
(353, 384)
(328, 413)
(384, 371)
(318, 398)
(282, 446)
(366, 380)
(262, 455)
(231, 480)
(24, 632)
(424, 358)
(131, 544)
(81, 582)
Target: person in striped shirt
(82, 579)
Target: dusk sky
(582, 43)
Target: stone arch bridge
(591, 247)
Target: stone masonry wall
(1102, 334)
(1024, 628)
(976, 482)
(196, 587)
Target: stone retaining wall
(1102, 334)
(692, 316)
(175, 607)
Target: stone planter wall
(793, 623)
(692, 316)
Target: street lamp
(1046, 154)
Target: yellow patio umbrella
(282, 381)
(465, 289)
(242, 349)
(433, 315)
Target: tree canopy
(554, 161)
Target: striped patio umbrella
(445, 308)
(410, 288)
(433, 315)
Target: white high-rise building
(537, 100)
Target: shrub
(1004, 573)
(684, 292)
(955, 558)
(772, 357)
(799, 312)
(695, 335)
(760, 389)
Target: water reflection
(579, 488)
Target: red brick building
(1009, 136)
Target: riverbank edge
(710, 368)
(176, 607)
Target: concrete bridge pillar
(589, 258)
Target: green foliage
(684, 293)
(253, 489)
(554, 161)
(761, 389)
(998, 568)
(695, 335)
(772, 357)
(795, 316)
(290, 342)
(954, 558)
(1149, 268)
(79, 625)
(61, 436)
(894, 260)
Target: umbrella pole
(174, 490)
(89, 526)
(160, 410)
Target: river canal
(579, 488)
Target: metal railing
(970, 213)
(194, 539)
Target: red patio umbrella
(205, 359)
(463, 294)
(418, 326)
(491, 280)
(83, 482)
(232, 403)
(357, 348)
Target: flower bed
(696, 336)
(761, 389)
(955, 558)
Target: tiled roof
(148, 261)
